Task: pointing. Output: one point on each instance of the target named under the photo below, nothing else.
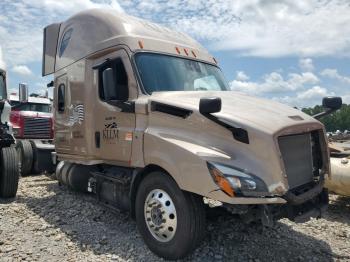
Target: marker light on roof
(186, 52)
(194, 54)
(141, 44)
(177, 50)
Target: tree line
(339, 120)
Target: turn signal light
(222, 182)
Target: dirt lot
(50, 223)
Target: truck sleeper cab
(144, 119)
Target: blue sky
(294, 52)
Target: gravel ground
(50, 223)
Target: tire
(58, 172)
(9, 172)
(78, 178)
(189, 228)
(25, 157)
(64, 173)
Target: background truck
(32, 125)
(9, 173)
(144, 119)
(339, 180)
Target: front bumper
(299, 208)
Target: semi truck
(9, 173)
(145, 120)
(32, 125)
(31, 119)
(339, 181)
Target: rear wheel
(9, 172)
(25, 156)
(171, 222)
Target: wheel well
(138, 176)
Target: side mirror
(23, 93)
(109, 85)
(210, 105)
(332, 102)
(51, 84)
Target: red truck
(32, 125)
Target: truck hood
(240, 109)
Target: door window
(61, 94)
(113, 81)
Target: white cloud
(258, 28)
(274, 83)
(22, 70)
(251, 27)
(333, 73)
(309, 97)
(295, 89)
(21, 28)
(241, 76)
(70, 6)
(314, 92)
(306, 64)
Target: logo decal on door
(76, 114)
(110, 133)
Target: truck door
(61, 102)
(114, 112)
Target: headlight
(235, 182)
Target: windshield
(169, 73)
(2, 86)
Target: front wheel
(171, 222)
(9, 172)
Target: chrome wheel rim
(160, 215)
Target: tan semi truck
(145, 120)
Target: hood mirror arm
(208, 106)
(331, 104)
(51, 84)
(324, 113)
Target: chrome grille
(297, 157)
(37, 127)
